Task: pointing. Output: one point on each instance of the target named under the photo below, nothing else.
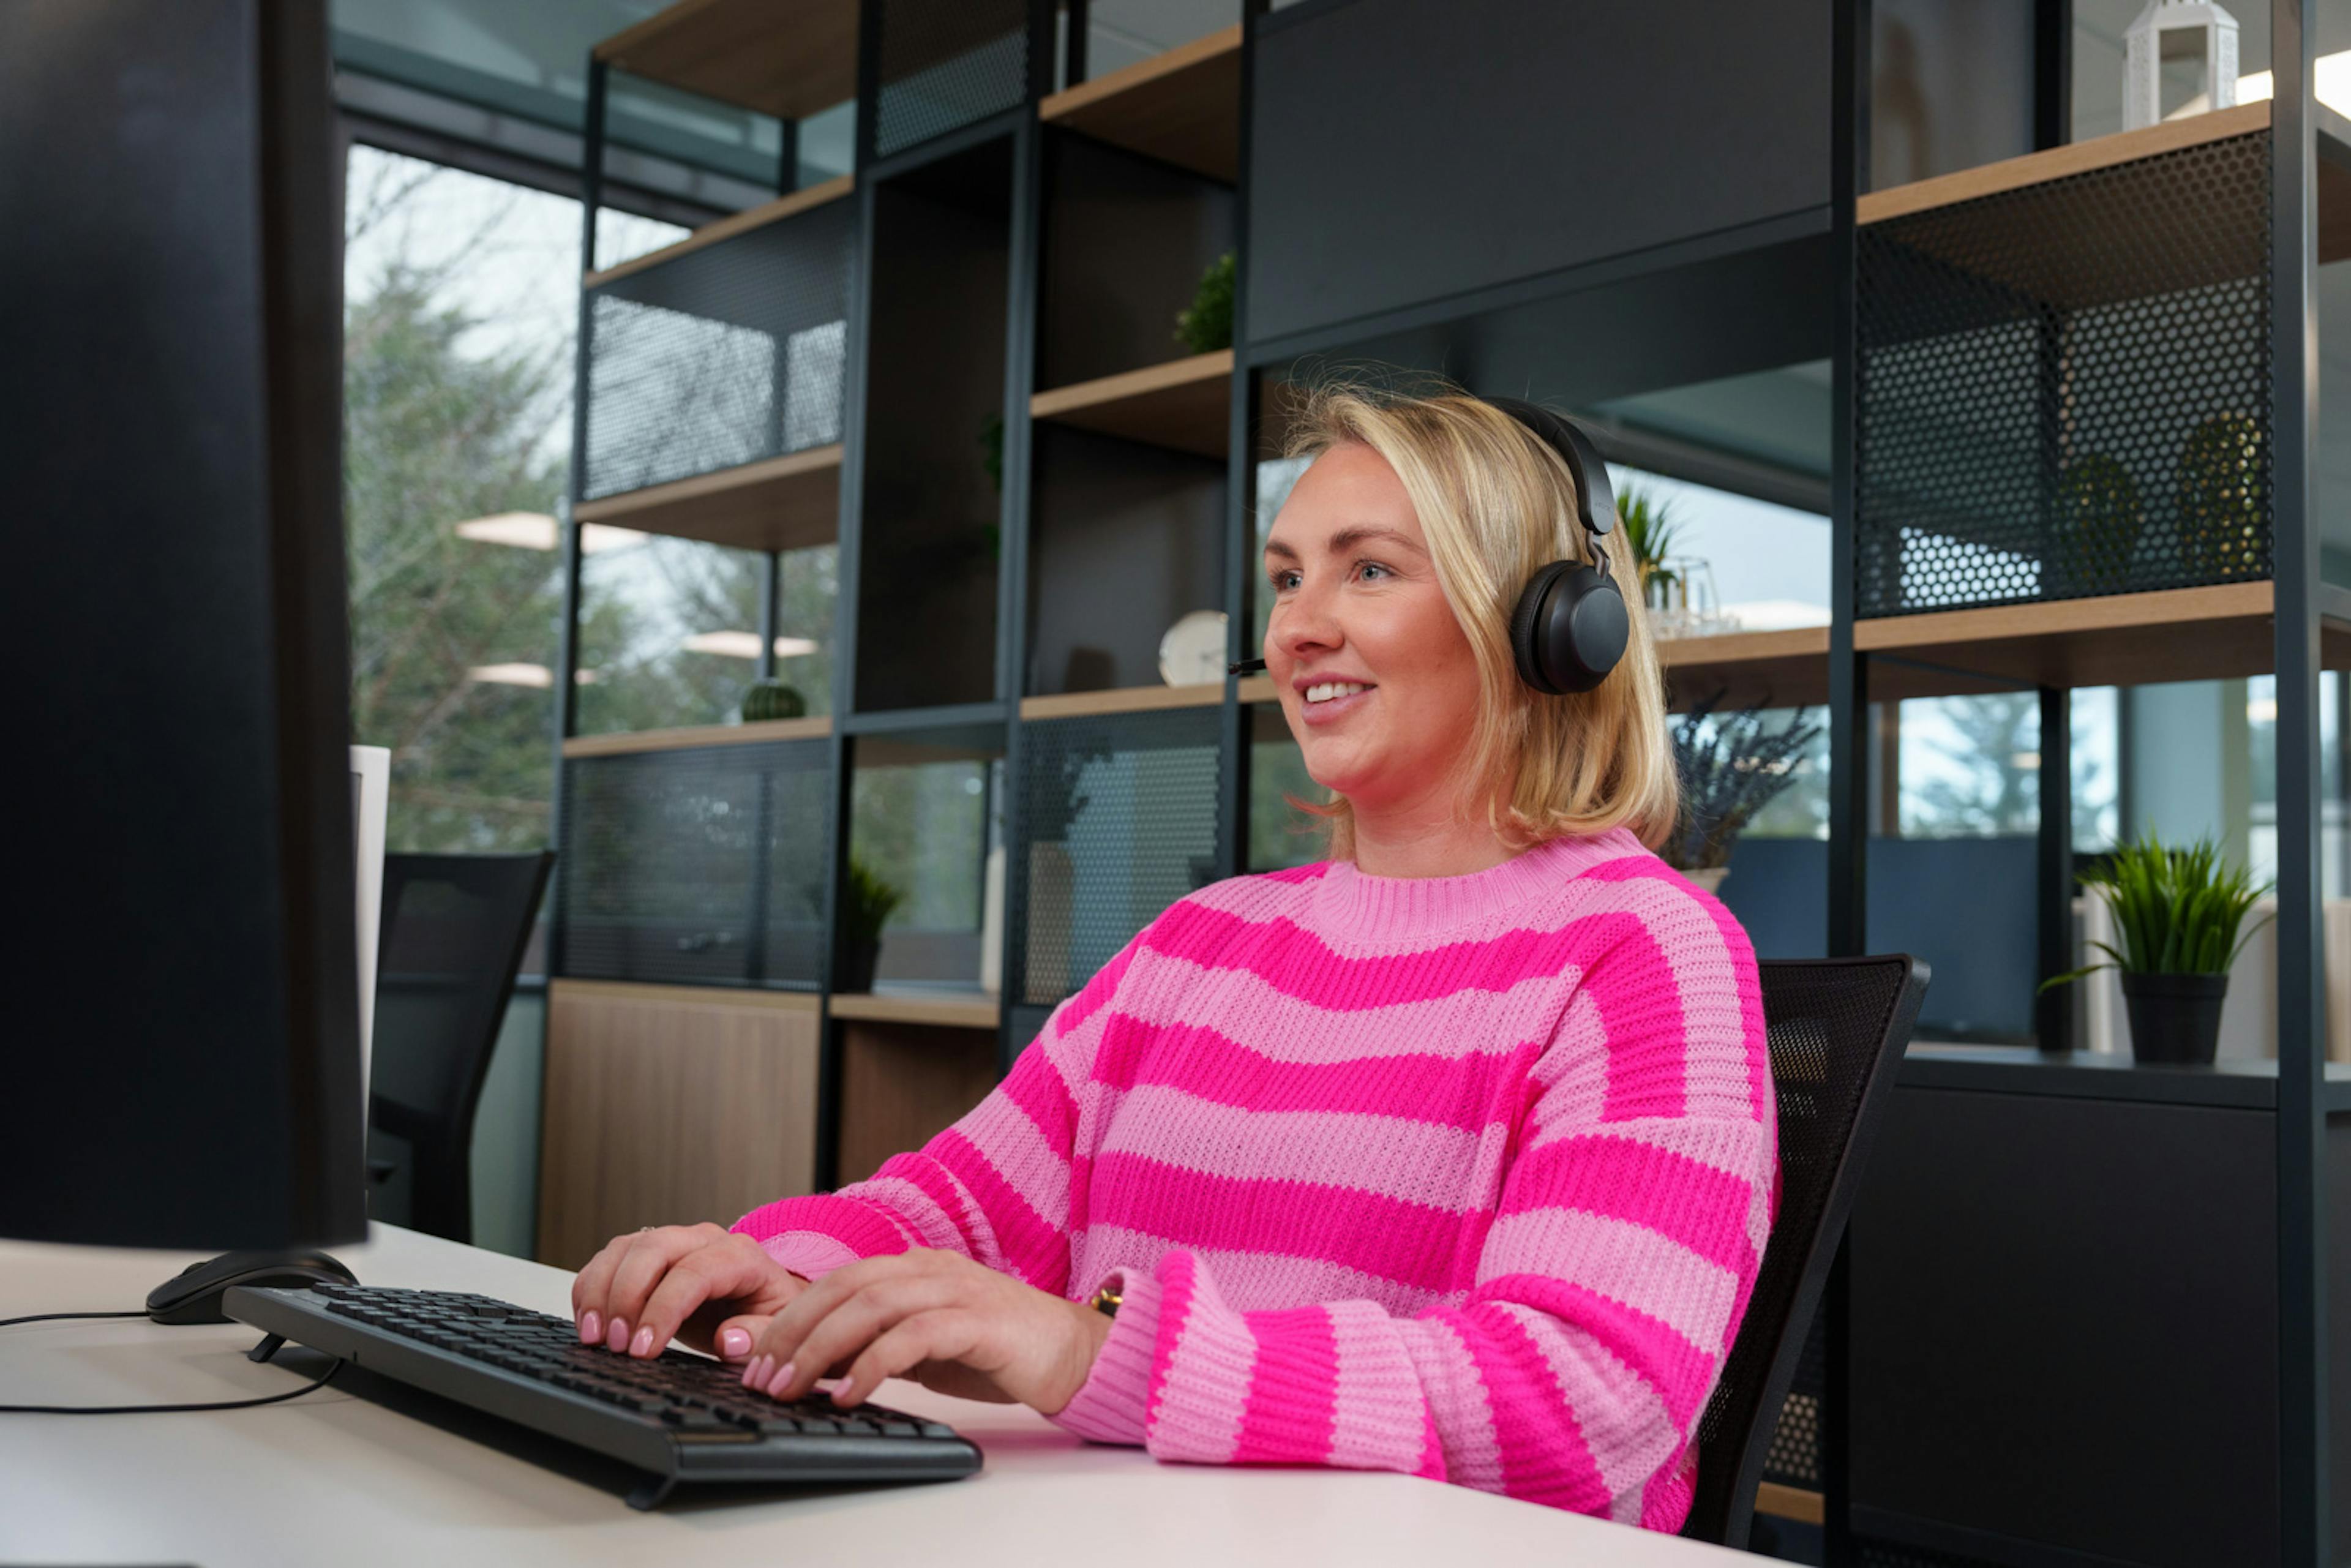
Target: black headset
(1569, 626)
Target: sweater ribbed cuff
(811, 1254)
(1115, 1404)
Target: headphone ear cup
(1584, 630)
(1526, 626)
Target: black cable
(319, 1382)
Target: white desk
(332, 1477)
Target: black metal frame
(2304, 1472)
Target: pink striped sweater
(1463, 1177)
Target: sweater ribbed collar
(1348, 902)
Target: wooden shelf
(1186, 404)
(1183, 106)
(2220, 632)
(2065, 259)
(683, 996)
(2059, 248)
(2059, 162)
(785, 57)
(1124, 699)
(1787, 669)
(781, 503)
(744, 222)
(1790, 1502)
(973, 1009)
(697, 735)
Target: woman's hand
(700, 1283)
(950, 1324)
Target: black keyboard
(680, 1418)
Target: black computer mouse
(193, 1294)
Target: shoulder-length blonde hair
(1496, 503)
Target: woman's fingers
(836, 1339)
(731, 1268)
(946, 1335)
(734, 1337)
(836, 1318)
(588, 1286)
(627, 1271)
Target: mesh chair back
(1837, 1028)
(453, 935)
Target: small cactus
(772, 699)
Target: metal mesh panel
(727, 355)
(946, 63)
(697, 865)
(1120, 817)
(1794, 1456)
(2063, 390)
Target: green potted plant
(768, 699)
(2099, 517)
(866, 903)
(1207, 324)
(2223, 498)
(2180, 914)
(1730, 769)
(1649, 535)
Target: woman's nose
(1305, 625)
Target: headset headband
(1595, 498)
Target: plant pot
(2174, 1018)
(858, 963)
(1707, 878)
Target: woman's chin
(1341, 774)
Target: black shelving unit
(1033, 480)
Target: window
(460, 298)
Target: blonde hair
(1496, 503)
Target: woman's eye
(1372, 571)
(1283, 580)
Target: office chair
(1838, 1029)
(453, 935)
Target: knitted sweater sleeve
(995, 1186)
(1612, 1278)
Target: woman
(1451, 1155)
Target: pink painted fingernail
(781, 1381)
(591, 1326)
(735, 1344)
(618, 1337)
(751, 1372)
(643, 1345)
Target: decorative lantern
(2168, 32)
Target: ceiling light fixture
(745, 646)
(535, 675)
(537, 530)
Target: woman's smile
(1326, 700)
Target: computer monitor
(181, 1044)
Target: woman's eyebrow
(1348, 538)
(1276, 547)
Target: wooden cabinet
(903, 1083)
(669, 1104)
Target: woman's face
(1375, 673)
